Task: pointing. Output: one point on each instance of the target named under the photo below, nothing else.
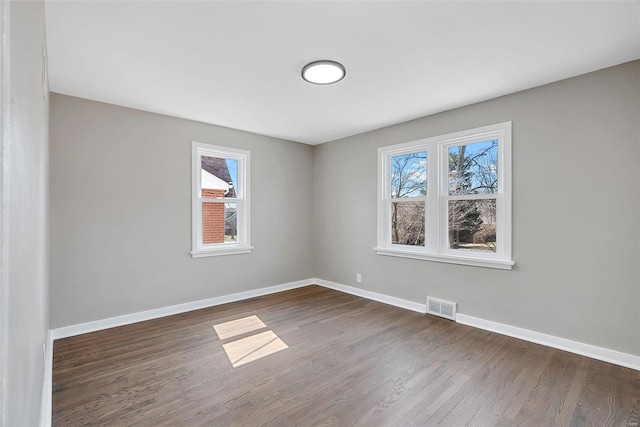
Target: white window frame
(436, 246)
(243, 245)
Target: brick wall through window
(212, 218)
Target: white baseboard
(398, 302)
(599, 353)
(112, 322)
(47, 384)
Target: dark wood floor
(349, 361)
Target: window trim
(436, 201)
(242, 199)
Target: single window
(448, 198)
(220, 200)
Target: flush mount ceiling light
(323, 72)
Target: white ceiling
(237, 64)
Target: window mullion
(220, 200)
(443, 191)
(483, 196)
(409, 199)
(431, 208)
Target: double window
(220, 200)
(448, 198)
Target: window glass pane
(407, 223)
(219, 223)
(409, 175)
(472, 225)
(219, 177)
(230, 222)
(473, 168)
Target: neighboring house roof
(218, 168)
(212, 182)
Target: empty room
(301, 213)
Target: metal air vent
(442, 308)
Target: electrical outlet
(359, 278)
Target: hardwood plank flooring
(329, 359)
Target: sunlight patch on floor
(251, 348)
(238, 327)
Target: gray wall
(24, 264)
(576, 166)
(121, 212)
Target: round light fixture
(323, 72)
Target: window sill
(476, 262)
(201, 253)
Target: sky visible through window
(232, 165)
(473, 168)
(409, 175)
